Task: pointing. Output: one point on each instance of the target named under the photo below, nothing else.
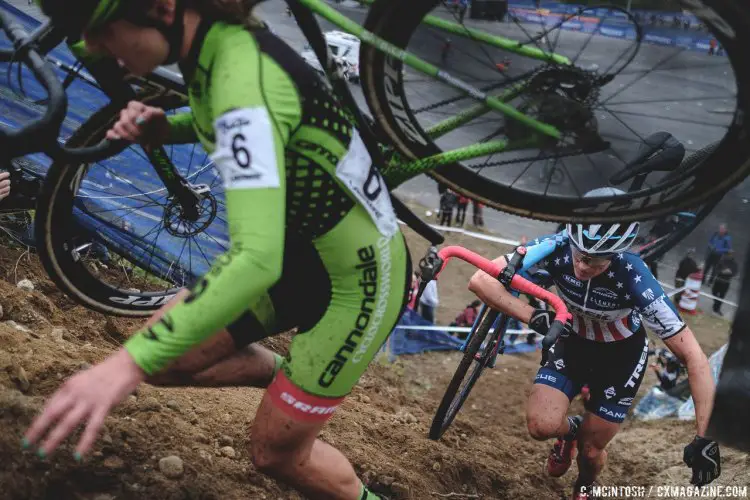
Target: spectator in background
(467, 318)
(463, 202)
(462, 6)
(712, 46)
(726, 269)
(411, 303)
(445, 50)
(685, 268)
(428, 302)
(667, 369)
(447, 201)
(476, 213)
(719, 244)
(662, 228)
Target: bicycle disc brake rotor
(177, 224)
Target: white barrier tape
(479, 236)
(462, 329)
(704, 294)
(674, 292)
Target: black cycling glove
(702, 455)
(541, 321)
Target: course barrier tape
(460, 329)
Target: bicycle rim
(109, 233)
(616, 112)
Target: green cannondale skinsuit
(315, 243)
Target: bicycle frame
(109, 78)
(398, 173)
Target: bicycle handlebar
(41, 134)
(519, 283)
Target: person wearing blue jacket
(719, 244)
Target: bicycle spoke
(646, 73)
(572, 181)
(660, 117)
(483, 48)
(669, 100)
(598, 173)
(588, 40)
(623, 123)
(549, 176)
(526, 169)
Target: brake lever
(429, 267)
(549, 340)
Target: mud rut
(382, 427)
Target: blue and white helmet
(603, 239)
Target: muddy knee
(542, 428)
(591, 453)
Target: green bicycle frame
(487, 102)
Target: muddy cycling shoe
(564, 449)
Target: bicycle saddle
(659, 152)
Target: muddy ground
(382, 426)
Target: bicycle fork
(187, 195)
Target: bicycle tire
(447, 411)
(382, 81)
(55, 204)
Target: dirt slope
(382, 427)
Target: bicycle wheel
(603, 103)
(111, 236)
(460, 385)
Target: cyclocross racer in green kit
(315, 243)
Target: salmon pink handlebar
(514, 281)
(518, 283)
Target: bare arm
(492, 293)
(702, 386)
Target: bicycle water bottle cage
(516, 262)
(659, 152)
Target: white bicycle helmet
(603, 239)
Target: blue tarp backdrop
(121, 199)
(415, 341)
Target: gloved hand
(541, 321)
(702, 455)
